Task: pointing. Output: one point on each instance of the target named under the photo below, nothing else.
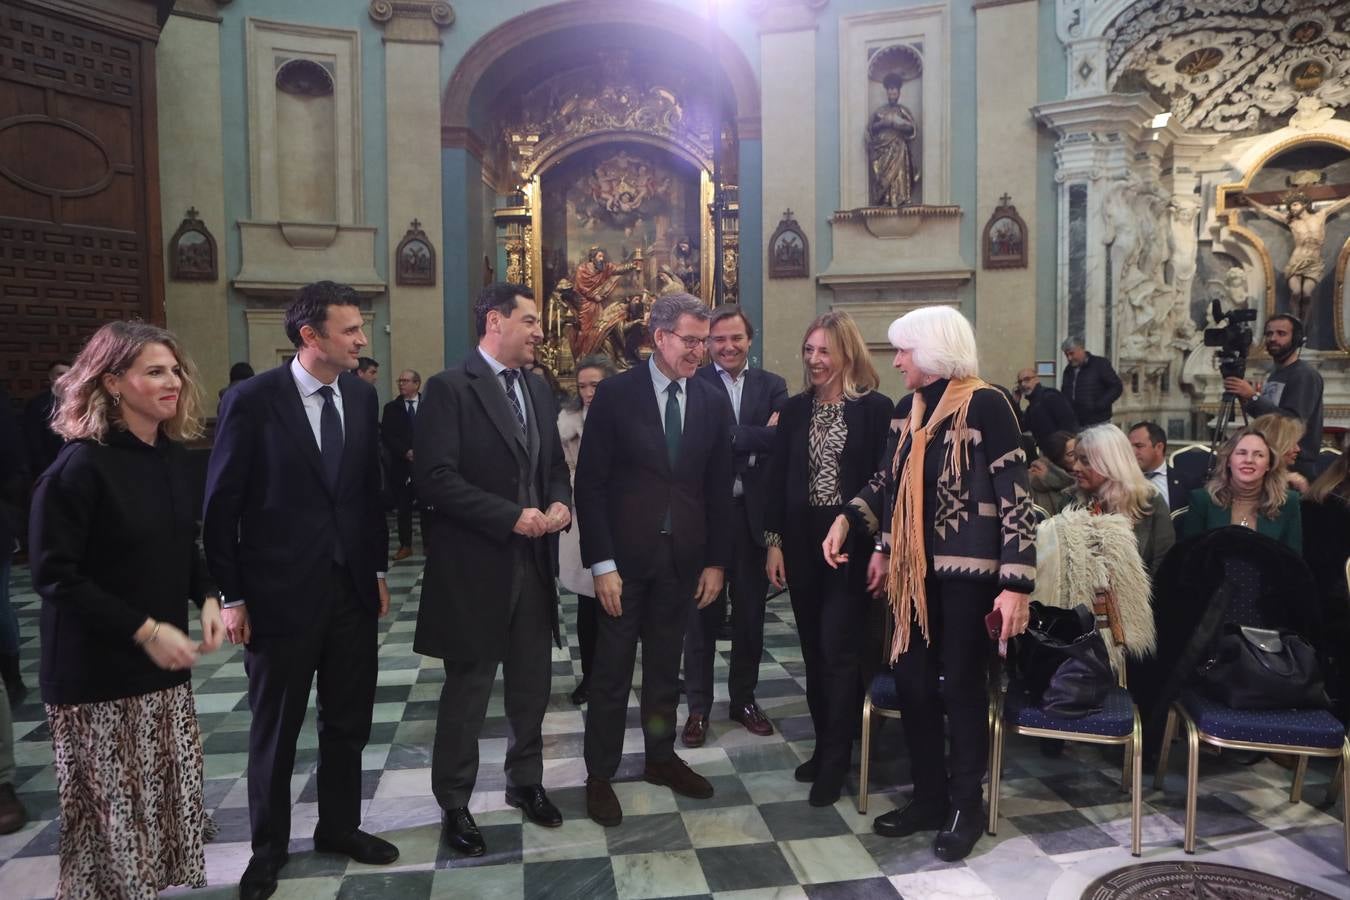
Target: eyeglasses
(690, 342)
(407, 381)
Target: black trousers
(406, 496)
(527, 675)
(748, 586)
(958, 650)
(830, 616)
(588, 608)
(341, 647)
(655, 611)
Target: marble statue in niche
(1309, 229)
(892, 135)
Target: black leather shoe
(362, 847)
(806, 772)
(959, 834)
(461, 832)
(260, 878)
(582, 693)
(826, 791)
(535, 804)
(914, 816)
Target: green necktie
(673, 426)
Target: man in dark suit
(1150, 449)
(296, 539)
(396, 430)
(756, 397)
(490, 472)
(654, 501)
(1047, 410)
(43, 443)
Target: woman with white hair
(1109, 481)
(955, 539)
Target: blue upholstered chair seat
(1116, 718)
(1290, 727)
(883, 691)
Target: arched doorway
(609, 135)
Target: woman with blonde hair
(1249, 488)
(1283, 434)
(115, 559)
(827, 444)
(1109, 481)
(951, 514)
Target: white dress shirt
(735, 385)
(1158, 478)
(516, 387)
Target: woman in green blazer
(1250, 488)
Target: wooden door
(79, 205)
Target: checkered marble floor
(1064, 820)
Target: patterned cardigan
(983, 527)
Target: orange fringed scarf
(908, 566)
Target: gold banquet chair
(1304, 733)
(1117, 724)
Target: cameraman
(1294, 388)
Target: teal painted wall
(234, 111)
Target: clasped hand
(532, 523)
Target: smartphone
(993, 623)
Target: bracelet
(881, 548)
(154, 633)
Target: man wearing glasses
(653, 494)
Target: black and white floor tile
(1064, 820)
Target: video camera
(1233, 339)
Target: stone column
(192, 174)
(787, 54)
(1098, 139)
(412, 105)
(1006, 136)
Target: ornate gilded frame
(784, 269)
(1230, 215)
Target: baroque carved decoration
(192, 251)
(789, 255)
(611, 99)
(1232, 65)
(1005, 237)
(415, 258)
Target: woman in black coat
(828, 443)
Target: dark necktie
(330, 437)
(412, 412)
(510, 376)
(674, 428)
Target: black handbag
(1061, 661)
(1259, 668)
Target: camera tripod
(1221, 423)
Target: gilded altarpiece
(612, 174)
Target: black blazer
(271, 521)
(625, 483)
(1178, 489)
(468, 463)
(762, 395)
(788, 513)
(396, 432)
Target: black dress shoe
(362, 847)
(914, 816)
(260, 878)
(582, 693)
(806, 772)
(825, 791)
(535, 804)
(959, 834)
(461, 832)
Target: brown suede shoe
(12, 814)
(753, 718)
(601, 803)
(676, 775)
(695, 730)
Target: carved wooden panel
(78, 223)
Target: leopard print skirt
(129, 774)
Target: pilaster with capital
(412, 137)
